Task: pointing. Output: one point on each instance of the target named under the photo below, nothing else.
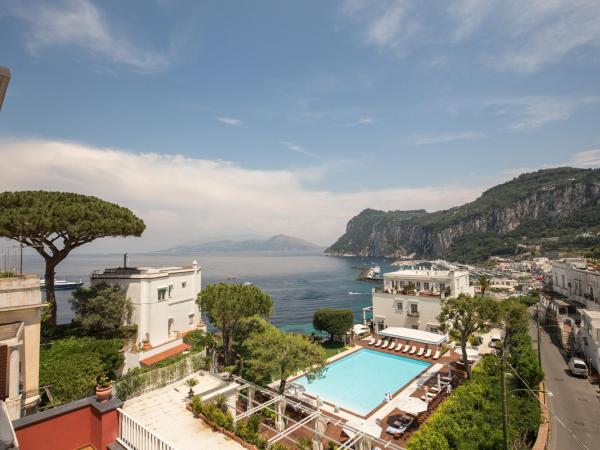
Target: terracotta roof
(164, 355)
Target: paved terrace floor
(163, 412)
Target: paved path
(575, 401)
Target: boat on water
(374, 272)
(61, 285)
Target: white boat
(374, 272)
(61, 285)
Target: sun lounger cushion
(385, 344)
(405, 349)
(378, 343)
(392, 347)
(421, 351)
(393, 430)
(428, 353)
(437, 355)
(371, 341)
(413, 350)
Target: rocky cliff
(533, 205)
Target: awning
(410, 334)
(164, 355)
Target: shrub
(72, 366)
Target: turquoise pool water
(359, 381)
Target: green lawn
(333, 347)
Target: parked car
(577, 367)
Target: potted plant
(103, 389)
(146, 344)
(191, 382)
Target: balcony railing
(412, 313)
(412, 294)
(135, 436)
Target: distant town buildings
(20, 317)
(164, 308)
(573, 278)
(412, 298)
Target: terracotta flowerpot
(103, 393)
(146, 346)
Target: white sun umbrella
(413, 405)
(370, 428)
(471, 352)
(438, 381)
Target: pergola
(314, 421)
(423, 337)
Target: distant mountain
(543, 212)
(279, 243)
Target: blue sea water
(359, 381)
(298, 283)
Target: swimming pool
(358, 382)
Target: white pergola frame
(364, 440)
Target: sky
(225, 118)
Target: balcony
(412, 313)
(433, 294)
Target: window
(415, 327)
(442, 287)
(418, 285)
(433, 329)
(162, 293)
(401, 283)
(399, 306)
(170, 290)
(191, 318)
(183, 284)
(426, 285)
(414, 308)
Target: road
(575, 401)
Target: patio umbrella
(426, 392)
(369, 428)
(413, 405)
(438, 382)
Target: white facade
(394, 307)
(163, 299)
(588, 338)
(571, 278)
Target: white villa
(164, 307)
(394, 306)
(572, 278)
(588, 337)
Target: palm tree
(483, 283)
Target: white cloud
(428, 139)
(587, 159)
(182, 199)
(229, 121)
(296, 148)
(360, 121)
(530, 113)
(508, 35)
(80, 23)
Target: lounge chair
(371, 341)
(413, 350)
(421, 351)
(378, 343)
(437, 355)
(399, 347)
(395, 431)
(428, 397)
(405, 349)
(428, 353)
(403, 422)
(385, 344)
(446, 379)
(392, 347)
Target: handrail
(135, 436)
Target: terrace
(410, 292)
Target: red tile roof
(164, 355)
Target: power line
(573, 435)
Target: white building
(20, 318)
(572, 278)
(588, 337)
(397, 306)
(164, 307)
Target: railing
(135, 436)
(132, 385)
(379, 290)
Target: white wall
(384, 305)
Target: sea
(298, 283)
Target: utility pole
(504, 401)
(539, 344)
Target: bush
(336, 322)
(72, 366)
